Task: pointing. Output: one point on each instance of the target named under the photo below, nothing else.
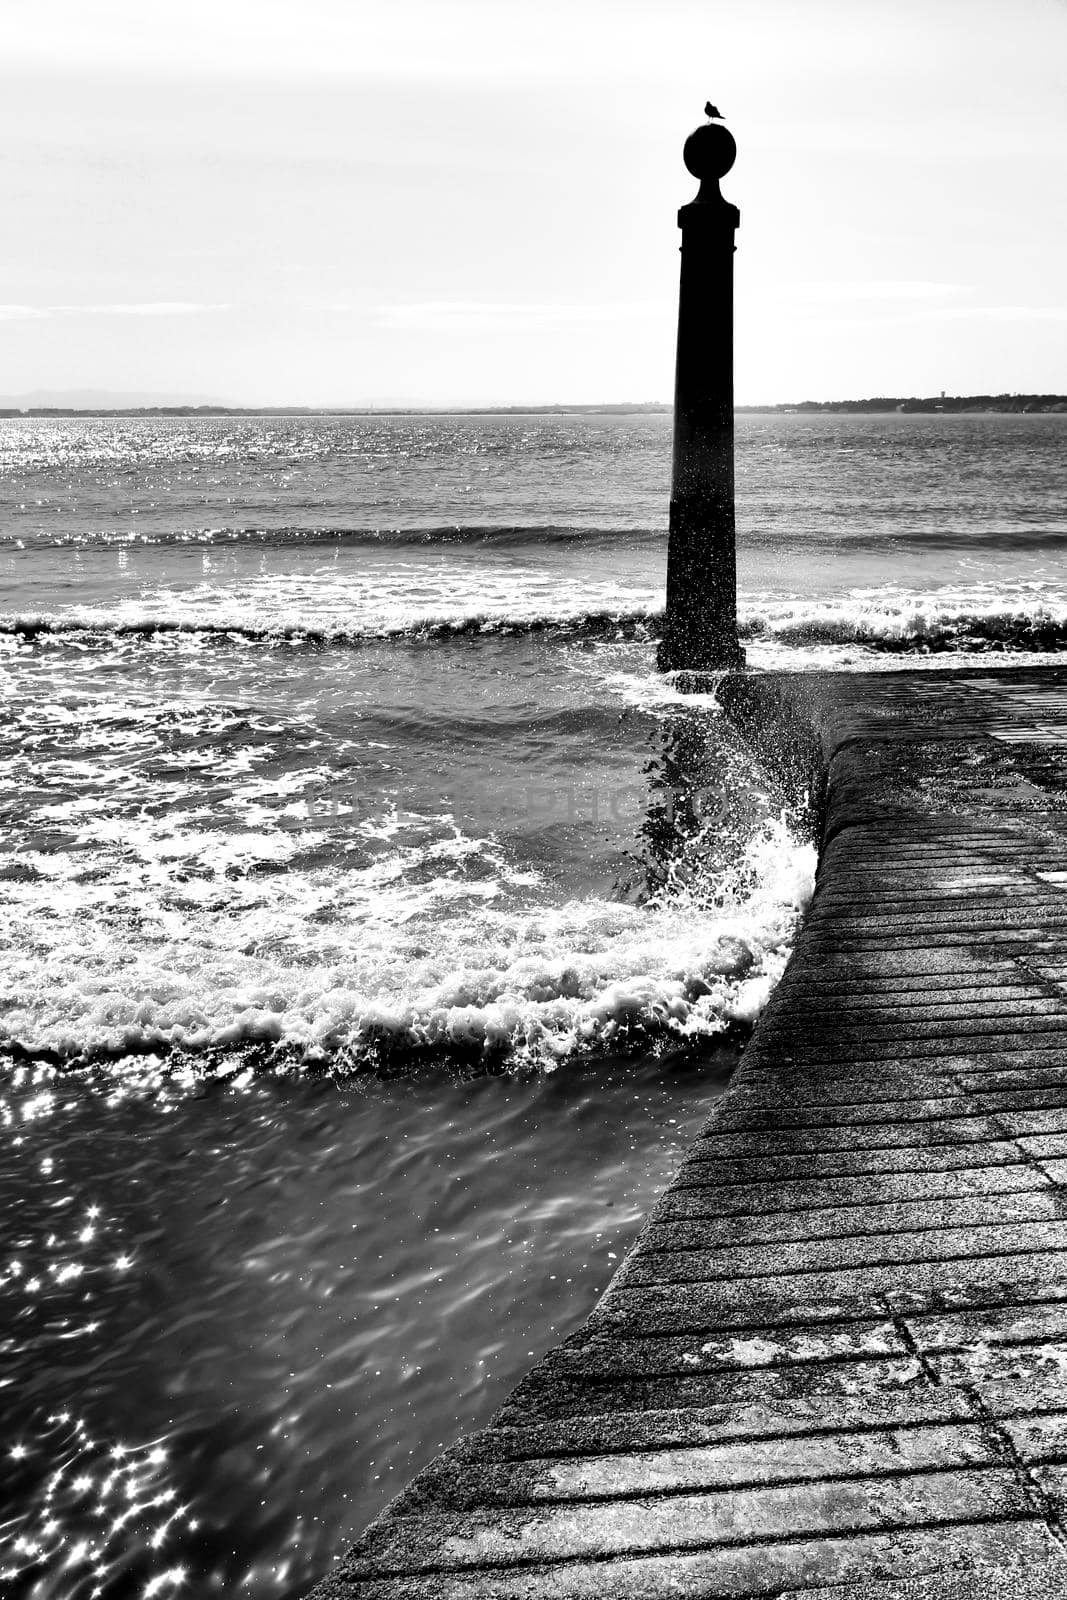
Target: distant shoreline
(946, 404)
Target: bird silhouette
(712, 111)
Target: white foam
(383, 598)
(863, 625)
(333, 966)
(396, 599)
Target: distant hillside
(941, 402)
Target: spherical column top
(709, 151)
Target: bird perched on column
(712, 111)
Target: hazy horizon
(103, 400)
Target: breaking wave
(899, 621)
(882, 621)
(288, 536)
(529, 984)
(636, 623)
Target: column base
(725, 655)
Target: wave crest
(528, 986)
(900, 622)
(636, 622)
(881, 622)
(288, 536)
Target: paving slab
(580, 1530)
(756, 1569)
(834, 1365)
(773, 1226)
(1019, 1582)
(789, 1201)
(936, 1157)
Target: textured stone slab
(859, 1287)
(841, 1222)
(1030, 1111)
(1052, 1020)
(608, 1355)
(1046, 911)
(731, 1574)
(1019, 1580)
(771, 1169)
(578, 1531)
(1026, 1323)
(902, 972)
(774, 1303)
(1046, 1120)
(912, 995)
(1043, 1147)
(992, 1088)
(872, 1011)
(1010, 1380)
(829, 1049)
(1039, 1439)
(749, 1463)
(747, 1113)
(837, 1195)
(659, 1265)
(811, 1140)
(549, 1394)
(810, 1416)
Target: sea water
(377, 924)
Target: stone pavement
(835, 1364)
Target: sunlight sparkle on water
(76, 1523)
(173, 1578)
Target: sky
(474, 202)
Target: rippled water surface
(239, 1315)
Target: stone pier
(835, 1363)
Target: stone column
(700, 627)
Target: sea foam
(790, 631)
(524, 981)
